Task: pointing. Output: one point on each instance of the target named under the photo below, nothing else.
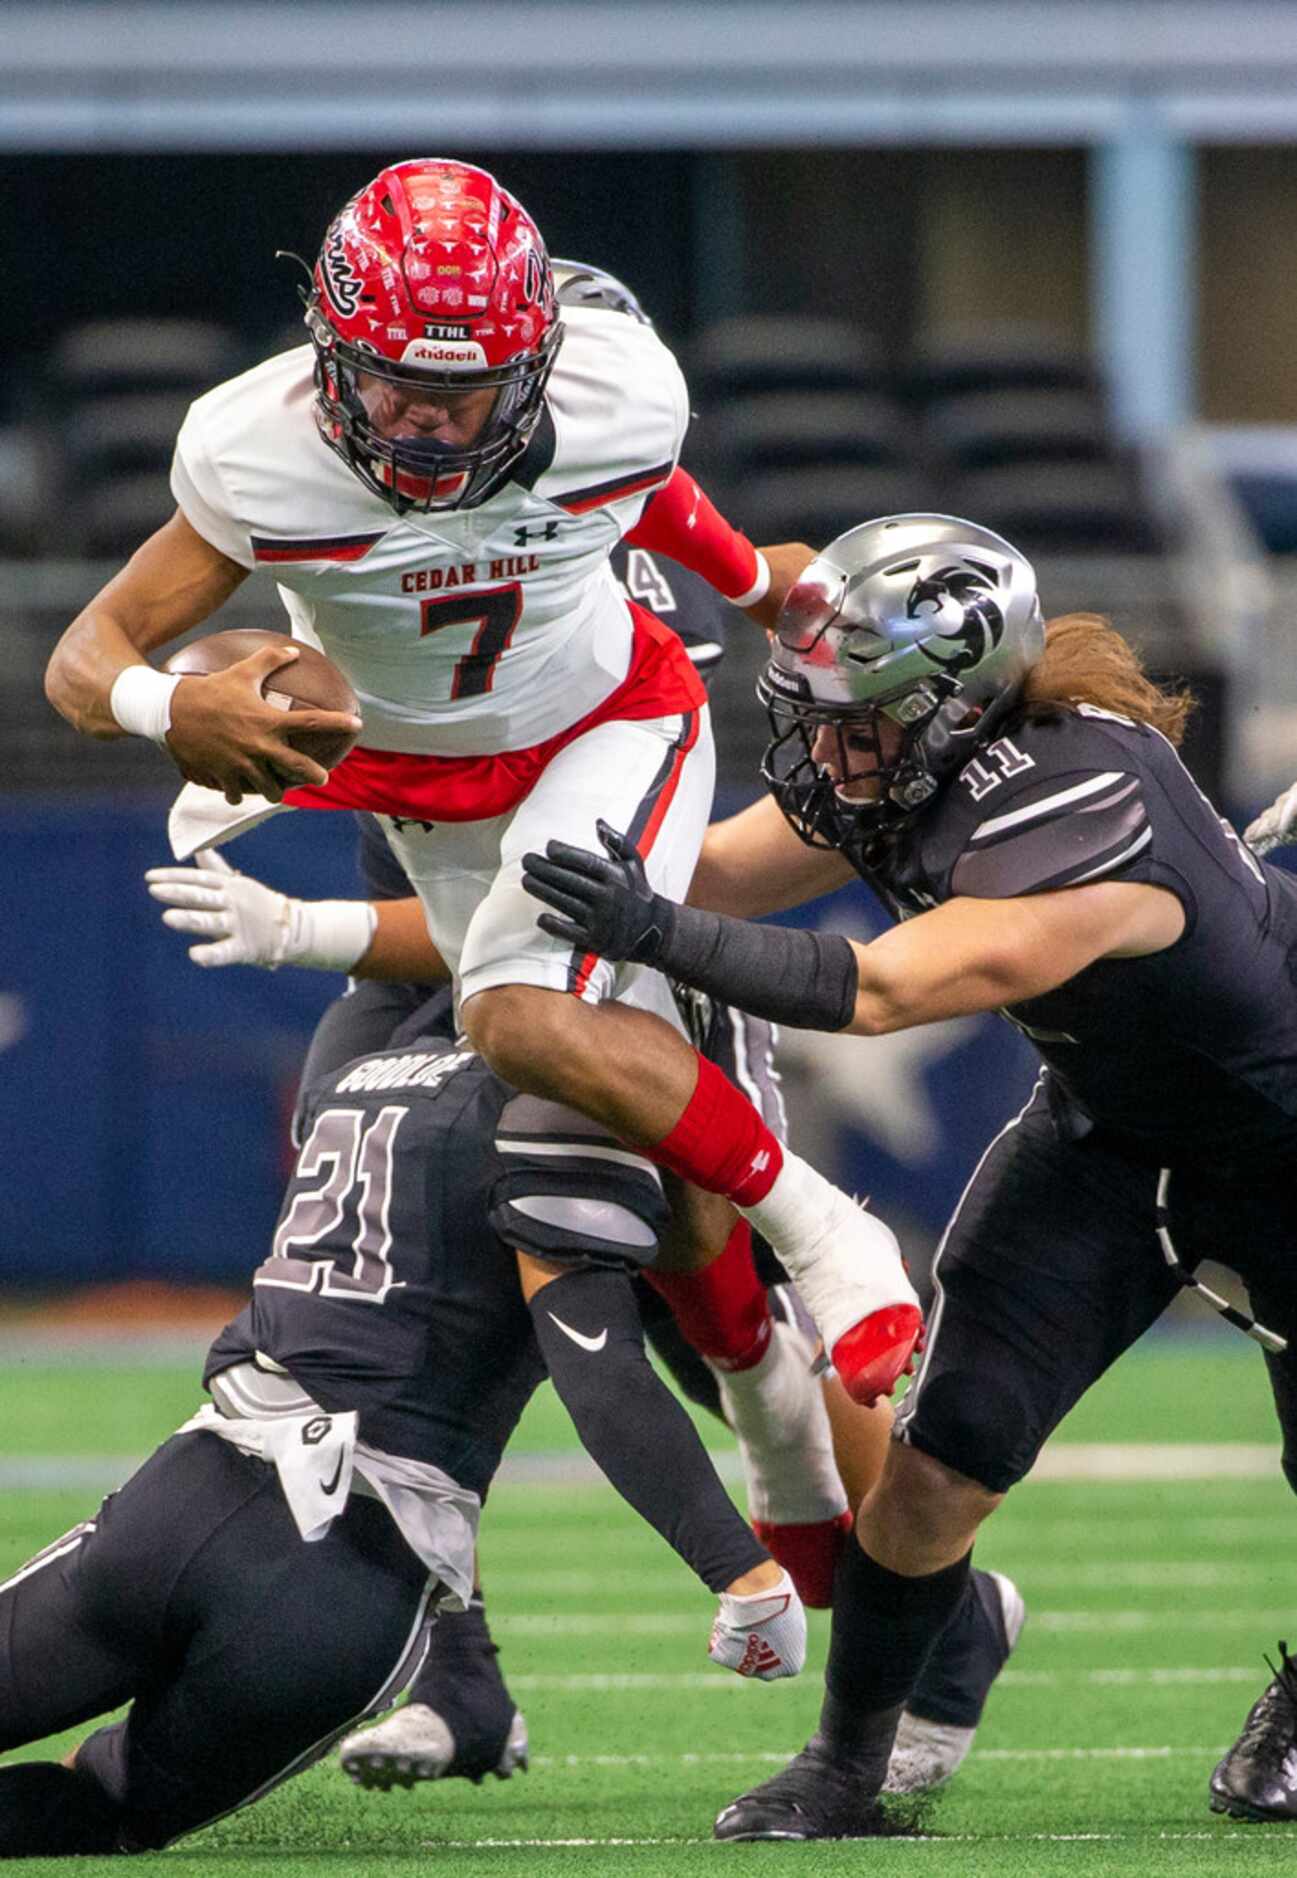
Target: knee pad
(985, 1434)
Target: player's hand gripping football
(1276, 826)
(603, 906)
(225, 735)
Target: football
(312, 682)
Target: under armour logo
(522, 536)
(405, 821)
(760, 1162)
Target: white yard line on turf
(1248, 1833)
(1062, 1461)
(777, 1758)
(671, 1624)
(646, 1680)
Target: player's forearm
(401, 951)
(83, 668)
(753, 864)
(682, 522)
(631, 1425)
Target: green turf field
(1150, 1603)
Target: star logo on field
(13, 1020)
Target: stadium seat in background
(1003, 356)
(122, 432)
(1058, 508)
(115, 392)
(814, 504)
(142, 355)
(789, 429)
(758, 352)
(979, 430)
(30, 488)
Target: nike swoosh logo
(337, 1476)
(586, 1343)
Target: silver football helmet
(896, 654)
(580, 283)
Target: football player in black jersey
(269, 1576)
(1012, 792)
(460, 1719)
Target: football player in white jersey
(438, 481)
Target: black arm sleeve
(783, 973)
(631, 1425)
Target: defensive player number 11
(494, 613)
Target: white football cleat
(849, 1272)
(928, 1752)
(762, 1634)
(415, 1744)
(796, 1500)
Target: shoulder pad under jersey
(1052, 805)
(619, 409)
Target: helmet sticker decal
(341, 281)
(967, 624)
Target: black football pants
(1051, 1268)
(243, 1652)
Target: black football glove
(607, 906)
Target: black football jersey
(1187, 1051)
(680, 599)
(392, 1288)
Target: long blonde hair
(1086, 661)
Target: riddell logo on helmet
(443, 352)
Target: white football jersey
(464, 633)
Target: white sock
(844, 1261)
(776, 1409)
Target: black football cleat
(1258, 1777)
(814, 1797)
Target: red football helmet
(431, 285)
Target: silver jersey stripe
(1115, 860)
(1035, 810)
(579, 1151)
(57, 1550)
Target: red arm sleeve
(682, 523)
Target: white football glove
(762, 1634)
(244, 923)
(1275, 825)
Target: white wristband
(760, 586)
(328, 935)
(140, 701)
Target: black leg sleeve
(633, 1427)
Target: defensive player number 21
(495, 613)
(356, 1160)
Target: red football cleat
(808, 1553)
(874, 1354)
